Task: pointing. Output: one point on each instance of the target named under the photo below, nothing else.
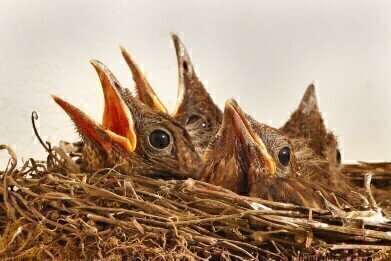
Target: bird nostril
(185, 66)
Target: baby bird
(255, 159)
(195, 108)
(243, 151)
(132, 136)
(307, 122)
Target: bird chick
(307, 122)
(255, 159)
(132, 135)
(244, 151)
(195, 108)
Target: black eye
(203, 123)
(159, 139)
(284, 156)
(339, 157)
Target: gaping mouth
(247, 134)
(117, 123)
(86, 125)
(117, 118)
(144, 90)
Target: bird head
(195, 108)
(307, 122)
(150, 140)
(245, 151)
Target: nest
(51, 210)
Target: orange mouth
(117, 118)
(117, 123)
(85, 124)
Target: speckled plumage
(233, 161)
(307, 122)
(295, 191)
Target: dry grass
(51, 210)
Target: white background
(263, 53)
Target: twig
(14, 158)
(34, 117)
(367, 185)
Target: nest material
(49, 210)
(381, 181)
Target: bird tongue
(117, 118)
(144, 90)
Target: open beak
(246, 134)
(185, 70)
(144, 90)
(90, 129)
(117, 118)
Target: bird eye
(192, 119)
(202, 122)
(284, 156)
(159, 139)
(339, 157)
